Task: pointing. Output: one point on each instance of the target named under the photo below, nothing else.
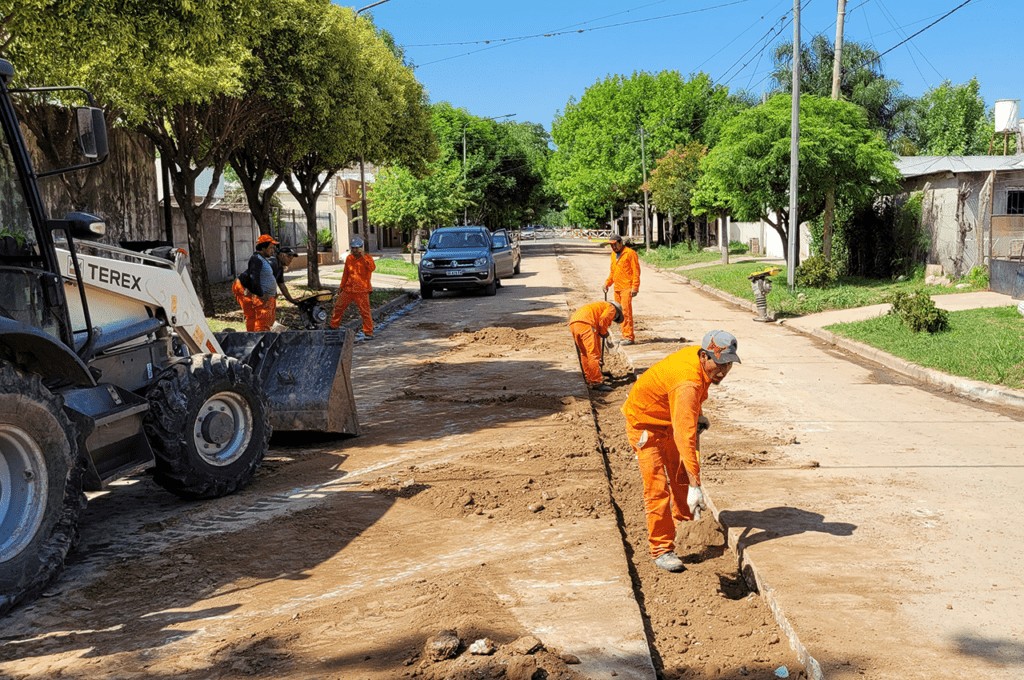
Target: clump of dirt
(524, 658)
(496, 336)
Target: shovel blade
(306, 376)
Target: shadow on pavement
(778, 522)
(997, 651)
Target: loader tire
(209, 426)
(41, 495)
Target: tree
(175, 72)
(366, 105)
(861, 81)
(409, 203)
(748, 171)
(598, 158)
(674, 179)
(950, 120)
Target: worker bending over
(355, 287)
(589, 325)
(624, 277)
(663, 420)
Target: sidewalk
(869, 509)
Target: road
(490, 495)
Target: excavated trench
(705, 622)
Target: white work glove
(609, 343)
(695, 500)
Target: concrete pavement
(882, 526)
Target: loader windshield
(21, 293)
(17, 236)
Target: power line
(917, 33)
(552, 34)
(740, 35)
(899, 30)
(581, 23)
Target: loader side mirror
(85, 226)
(92, 131)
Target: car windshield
(457, 239)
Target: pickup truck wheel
(516, 269)
(209, 426)
(426, 292)
(491, 288)
(40, 486)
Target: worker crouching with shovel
(663, 424)
(589, 326)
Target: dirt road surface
(488, 496)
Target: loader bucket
(305, 374)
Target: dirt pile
(446, 656)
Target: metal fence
(291, 227)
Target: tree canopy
(598, 161)
(950, 120)
(861, 81)
(748, 171)
(674, 179)
(500, 184)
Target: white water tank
(1007, 115)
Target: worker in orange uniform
(625, 277)
(355, 287)
(663, 421)
(589, 325)
(255, 289)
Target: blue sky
(534, 77)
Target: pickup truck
(506, 252)
(459, 258)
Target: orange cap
(266, 238)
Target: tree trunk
(828, 224)
(305, 185)
(252, 171)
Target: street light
(372, 4)
(465, 213)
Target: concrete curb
(752, 575)
(382, 312)
(747, 566)
(965, 387)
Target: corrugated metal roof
(919, 166)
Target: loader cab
(31, 287)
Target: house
(973, 211)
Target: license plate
(454, 272)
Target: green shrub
(738, 248)
(919, 312)
(816, 272)
(977, 277)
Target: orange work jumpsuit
(588, 325)
(355, 287)
(259, 313)
(661, 423)
(625, 277)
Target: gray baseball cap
(357, 242)
(721, 346)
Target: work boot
(669, 562)
(601, 387)
(627, 341)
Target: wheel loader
(108, 367)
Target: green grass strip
(981, 344)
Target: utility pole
(643, 164)
(794, 151)
(830, 193)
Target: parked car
(507, 254)
(458, 258)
